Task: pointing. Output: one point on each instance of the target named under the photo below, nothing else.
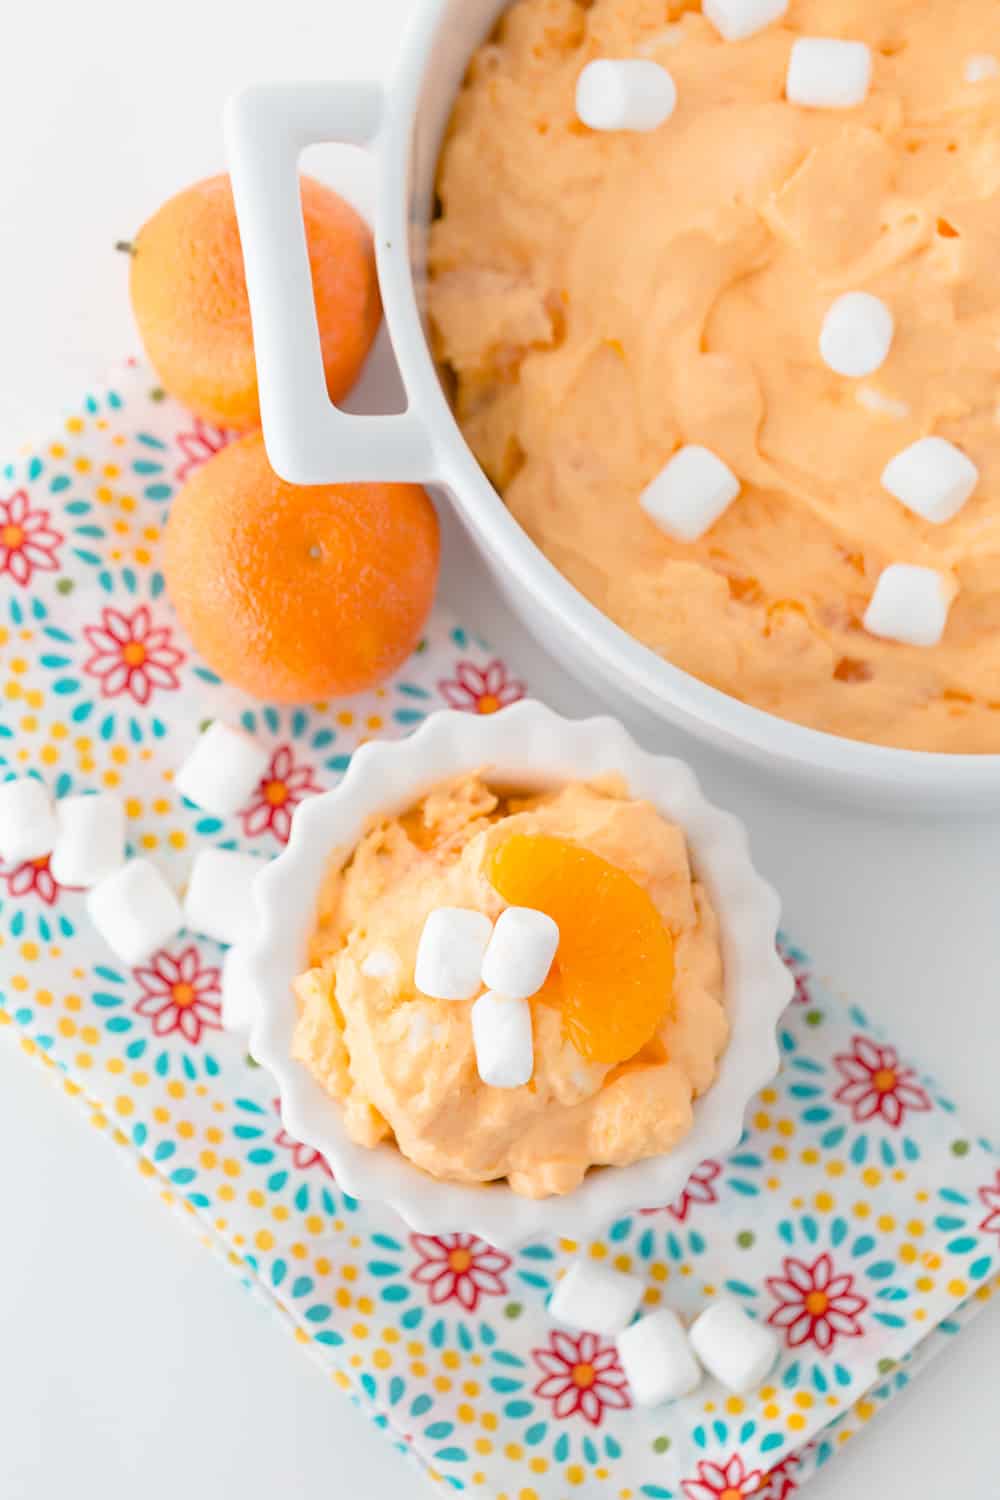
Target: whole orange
(190, 302)
(299, 592)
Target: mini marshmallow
(981, 67)
(239, 1001)
(910, 604)
(657, 1358)
(738, 1351)
(735, 20)
(689, 495)
(857, 334)
(135, 911)
(222, 770)
(590, 1296)
(218, 902)
(828, 74)
(28, 827)
(932, 478)
(450, 953)
(91, 839)
(520, 952)
(633, 94)
(501, 1035)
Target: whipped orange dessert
(626, 1029)
(605, 298)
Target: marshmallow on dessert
(630, 94)
(932, 478)
(222, 770)
(239, 1005)
(90, 842)
(380, 963)
(135, 911)
(450, 953)
(857, 334)
(657, 1358)
(690, 493)
(590, 1296)
(738, 1351)
(910, 604)
(28, 827)
(520, 952)
(735, 20)
(827, 74)
(218, 902)
(501, 1036)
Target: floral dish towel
(857, 1216)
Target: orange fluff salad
(626, 1028)
(602, 299)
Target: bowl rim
(661, 686)
(525, 742)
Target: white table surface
(129, 1362)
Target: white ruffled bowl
(526, 745)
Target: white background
(129, 1361)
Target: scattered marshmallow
(590, 1296)
(932, 477)
(657, 1358)
(219, 898)
(450, 953)
(380, 963)
(28, 827)
(222, 770)
(886, 406)
(632, 94)
(857, 334)
(689, 495)
(910, 604)
(135, 911)
(520, 952)
(91, 839)
(981, 67)
(501, 1035)
(735, 20)
(738, 1351)
(239, 1000)
(828, 74)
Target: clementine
(190, 299)
(297, 593)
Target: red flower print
(581, 1375)
(481, 692)
(460, 1266)
(991, 1198)
(178, 994)
(725, 1481)
(200, 443)
(28, 543)
(877, 1084)
(282, 787)
(699, 1188)
(802, 994)
(131, 655)
(303, 1156)
(814, 1305)
(33, 878)
(780, 1482)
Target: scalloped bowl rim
(525, 744)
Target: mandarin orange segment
(614, 970)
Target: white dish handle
(308, 439)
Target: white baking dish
(310, 442)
